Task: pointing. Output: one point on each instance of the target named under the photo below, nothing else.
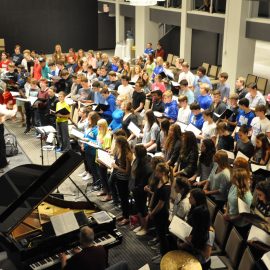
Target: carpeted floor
(133, 249)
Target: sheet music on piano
(64, 223)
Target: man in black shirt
(218, 106)
(17, 57)
(158, 104)
(90, 257)
(240, 87)
(51, 105)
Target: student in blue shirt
(90, 135)
(196, 117)
(171, 107)
(98, 99)
(45, 70)
(204, 99)
(244, 116)
(223, 86)
(104, 75)
(199, 79)
(158, 68)
(149, 49)
(110, 99)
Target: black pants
(29, 112)
(140, 198)
(103, 173)
(3, 160)
(43, 118)
(112, 188)
(162, 225)
(122, 186)
(92, 165)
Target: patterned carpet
(133, 249)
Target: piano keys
(26, 205)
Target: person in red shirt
(37, 70)
(160, 51)
(4, 61)
(8, 99)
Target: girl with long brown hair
(121, 174)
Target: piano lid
(23, 188)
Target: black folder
(63, 111)
(102, 107)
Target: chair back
(206, 66)
(247, 261)
(261, 84)
(234, 247)
(212, 209)
(213, 72)
(174, 59)
(169, 58)
(250, 79)
(221, 227)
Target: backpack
(11, 145)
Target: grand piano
(27, 204)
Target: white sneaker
(87, 177)
(141, 232)
(137, 229)
(83, 174)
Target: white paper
(229, 153)
(46, 129)
(257, 234)
(14, 94)
(255, 167)
(77, 133)
(180, 228)
(145, 267)
(217, 263)
(30, 99)
(69, 101)
(240, 154)
(134, 129)
(266, 259)
(193, 129)
(64, 223)
(182, 125)
(102, 217)
(236, 129)
(105, 158)
(243, 207)
(198, 178)
(175, 83)
(158, 114)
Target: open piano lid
(23, 188)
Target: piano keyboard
(50, 261)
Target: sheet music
(46, 129)
(145, 267)
(64, 223)
(217, 263)
(134, 129)
(229, 153)
(243, 207)
(105, 158)
(158, 114)
(240, 154)
(32, 100)
(256, 167)
(77, 133)
(102, 217)
(14, 94)
(180, 228)
(198, 178)
(257, 234)
(193, 129)
(217, 115)
(175, 83)
(266, 259)
(69, 101)
(182, 125)
(236, 129)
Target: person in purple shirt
(171, 107)
(199, 79)
(204, 99)
(196, 117)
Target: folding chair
(262, 84)
(206, 66)
(247, 261)
(251, 79)
(213, 72)
(212, 209)
(169, 58)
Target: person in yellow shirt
(62, 123)
(104, 139)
